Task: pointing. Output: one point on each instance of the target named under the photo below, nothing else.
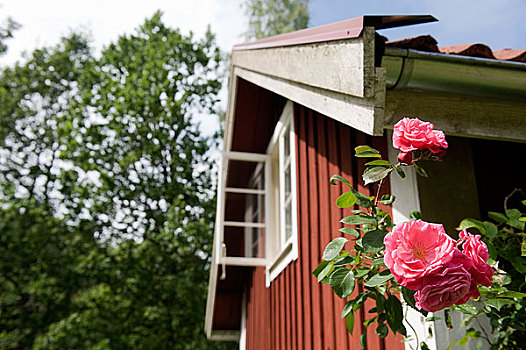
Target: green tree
(272, 17)
(6, 32)
(106, 202)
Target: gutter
(430, 71)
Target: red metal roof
(350, 28)
(429, 44)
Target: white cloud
(43, 22)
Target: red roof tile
(429, 44)
(511, 55)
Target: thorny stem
(509, 196)
(414, 330)
(378, 192)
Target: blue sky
(498, 23)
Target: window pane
(245, 174)
(245, 242)
(288, 222)
(286, 142)
(287, 180)
(244, 207)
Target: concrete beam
(344, 66)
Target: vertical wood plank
(303, 229)
(336, 214)
(293, 305)
(323, 205)
(313, 232)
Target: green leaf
(387, 199)
(344, 260)
(523, 246)
(415, 215)
(373, 240)
(368, 154)
(409, 297)
(447, 319)
(400, 172)
(366, 151)
(380, 303)
(350, 231)
(379, 162)
(346, 200)
(333, 249)
(347, 308)
(358, 220)
(326, 271)
(498, 303)
(349, 322)
(498, 217)
(376, 280)
(363, 339)
(513, 213)
(511, 294)
(360, 272)
(362, 200)
(375, 173)
(320, 268)
(342, 282)
(382, 330)
(472, 223)
(335, 178)
(419, 170)
(394, 313)
(467, 309)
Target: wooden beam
(460, 115)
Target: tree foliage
(6, 32)
(272, 17)
(106, 202)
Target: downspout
(429, 71)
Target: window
(257, 213)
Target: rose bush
(418, 259)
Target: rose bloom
(415, 249)
(414, 134)
(448, 286)
(477, 251)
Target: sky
(498, 23)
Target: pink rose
(405, 157)
(448, 286)
(415, 249)
(414, 134)
(477, 251)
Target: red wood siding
(297, 312)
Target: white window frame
(278, 251)
(287, 251)
(222, 257)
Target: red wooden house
(298, 105)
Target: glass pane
(245, 174)
(287, 180)
(286, 142)
(246, 242)
(244, 207)
(288, 222)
